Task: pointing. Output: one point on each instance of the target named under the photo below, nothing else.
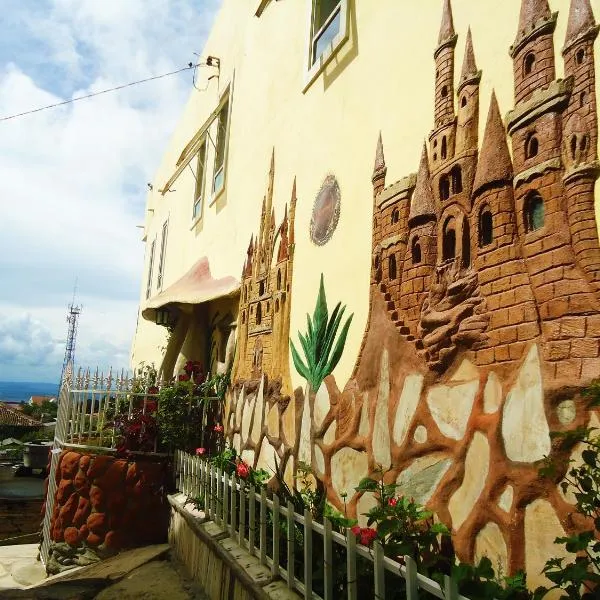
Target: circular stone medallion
(326, 211)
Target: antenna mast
(72, 317)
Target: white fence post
(412, 585)
(307, 554)
(351, 566)
(379, 571)
(291, 544)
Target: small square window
(221, 148)
(199, 186)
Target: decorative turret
(468, 101)
(494, 166)
(422, 205)
(379, 169)
(533, 49)
(444, 65)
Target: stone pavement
(19, 566)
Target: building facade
(467, 253)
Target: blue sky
(73, 179)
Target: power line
(114, 89)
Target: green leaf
(367, 485)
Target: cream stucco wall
(381, 79)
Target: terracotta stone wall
(103, 504)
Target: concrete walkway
(19, 567)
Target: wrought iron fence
(257, 522)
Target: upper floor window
(328, 30)
(534, 212)
(150, 267)
(200, 177)
(221, 147)
(161, 259)
(395, 216)
(392, 267)
(444, 187)
(326, 24)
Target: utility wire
(114, 89)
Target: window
(463, 102)
(534, 212)
(531, 146)
(444, 148)
(580, 56)
(161, 260)
(150, 267)
(444, 187)
(261, 288)
(395, 216)
(258, 313)
(456, 175)
(329, 29)
(279, 279)
(529, 63)
(486, 225)
(573, 146)
(444, 91)
(415, 251)
(449, 240)
(221, 148)
(199, 187)
(392, 267)
(466, 244)
(326, 24)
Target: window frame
(160, 278)
(150, 269)
(224, 101)
(315, 65)
(200, 185)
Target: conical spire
(581, 19)
(532, 11)
(469, 68)
(379, 166)
(494, 165)
(422, 203)
(447, 26)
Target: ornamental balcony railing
(308, 555)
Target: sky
(73, 179)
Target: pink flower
(393, 501)
(355, 530)
(200, 451)
(218, 428)
(242, 470)
(183, 377)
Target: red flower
(393, 501)
(200, 451)
(242, 470)
(183, 377)
(188, 367)
(365, 535)
(218, 428)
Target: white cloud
(73, 178)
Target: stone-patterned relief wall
(102, 505)
(484, 321)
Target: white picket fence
(230, 503)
